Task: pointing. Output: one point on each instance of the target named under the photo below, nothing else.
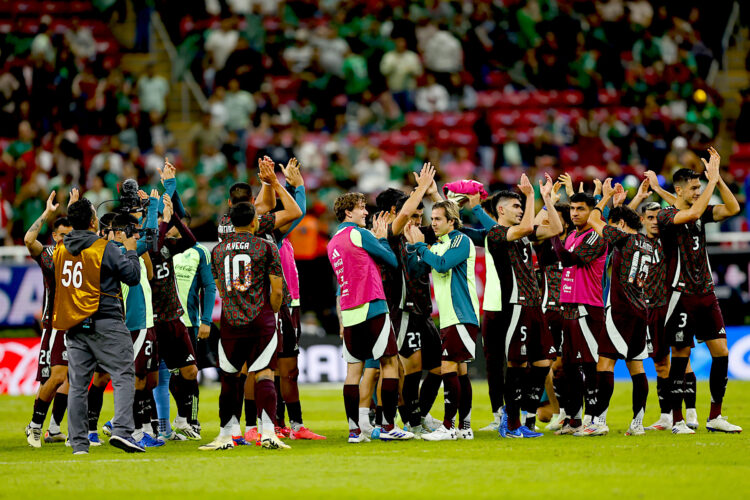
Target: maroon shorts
(528, 337)
(658, 343)
(371, 339)
(145, 351)
(459, 342)
(52, 352)
(554, 320)
(175, 347)
(417, 333)
(581, 336)
(289, 327)
(255, 344)
(625, 334)
(494, 330)
(691, 316)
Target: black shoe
(127, 444)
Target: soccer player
(693, 309)
(626, 310)
(367, 327)
(53, 357)
(249, 278)
(583, 256)
(451, 261)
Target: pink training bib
(583, 284)
(289, 267)
(356, 272)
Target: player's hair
(60, 221)
(564, 210)
(451, 212)
(121, 221)
(242, 214)
(683, 175)
(389, 198)
(240, 192)
(488, 206)
(586, 198)
(347, 201)
(80, 214)
(500, 196)
(105, 221)
(651, 205)
(626, 214)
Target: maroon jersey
(45, 261)
(685, 253)
(515, 268)
(165, 298)
(631, 259)
(394, 285)
(552, 269)
(656, 281)
(266, 223)
(242, 264)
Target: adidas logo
(551, 350)
(445, 352)
(579, 355)
(190, 358)
(723, 331)
(336, 253)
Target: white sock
(54, 427)
(226, 431)
(180, 421)
(34, 425)
(235, 426)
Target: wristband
(544, 207)
(597, 208)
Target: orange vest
(304, 238)
(77, 280)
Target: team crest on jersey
(523, 350)
(698, 224)
(165, 252)
(65, 355)
(679, 337)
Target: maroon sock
(662, 392)
(379, 416)
(251, 413)
(40, 411)
(389, 393)
(295, 412)
(677, 385)
(240, 398)
(690, 394)
(410, 393)
(536, 377)
(452, 397)
(428, 392)
(176, 387)
(227, 397)
(351, 406)
(717, 382)
(280, 406)
(464, 404)
(640, 394)
(513, 395)
(574, 401)
(495, 382)
(188, 405)
(605, 387)
(265, 399)
(590, 383)
(559, 385)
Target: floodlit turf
(658, 465)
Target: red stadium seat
(609, 97)
(463, 120)
(417, 120)
(504, 118)
(55, 8)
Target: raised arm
(294, 179)
(595, 217)
(483, 217)
(653, 182)
(526, 227)
(696, 210)
(34, 246)
(555, 225)
(641, 195)
(730, 207)
(266, 199)
(424, 181)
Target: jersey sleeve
(483, 218)
(614, 236)
(708, 215)
(206, 283)
(459, 251)
(666, 216)
(266, 223)
(477, 236)
(593, 247)
(379, 249)
(498, 235)
(215, 264)
(274, 261)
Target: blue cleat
(503, 427)
(239, 441)
(528, 433)
(150, 442)
(94, 439)
(375, 433)
(107, 428)
(515, 433)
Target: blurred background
(362, 93)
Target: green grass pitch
(658, 465)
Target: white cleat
(34, 436)
(691, 418)
(430, 423)
(396, 434)
(567, 430)
(593, 430)
(556, 422)
(358, 438)
(467, 434)
(635, 429)
(587, 420)
(441, 434)
(494, 425)
(682, 428)
(721, 424)
(220, 443)
(271, 442)
(366, 429)
(664, 423)
(187, 430)
(418, 431)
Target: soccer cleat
(635, 429)
(375, 434)
(126, 444)
(512, 433)
(171, 436)
(691, 418)
(682, 428)
(252, 436)
(587, 420)
(107, 428)
(272, 442)
(148, 441)
(81, 452)
(494, 425)
(239, 441)
(358, 438)
(305, 433)
(467, 434)
(282, 432)
(568, 430)
(593, 429)
(441, 434)
(56, 437)
(34, 436)
(430, 423)
(664, 423)
(721, 424)
(556, 422)
(528, 433)
(395, 434)
(186, 430)
(94, 439)
(366, 428)
(418, 431)
(220, 443)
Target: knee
(140, 383)
(292, 375)
(189, 372)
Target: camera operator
(88, 304)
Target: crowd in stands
(361, 92)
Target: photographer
(88, 272)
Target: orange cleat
(252, 436)
(305, 433)
(282, 432)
